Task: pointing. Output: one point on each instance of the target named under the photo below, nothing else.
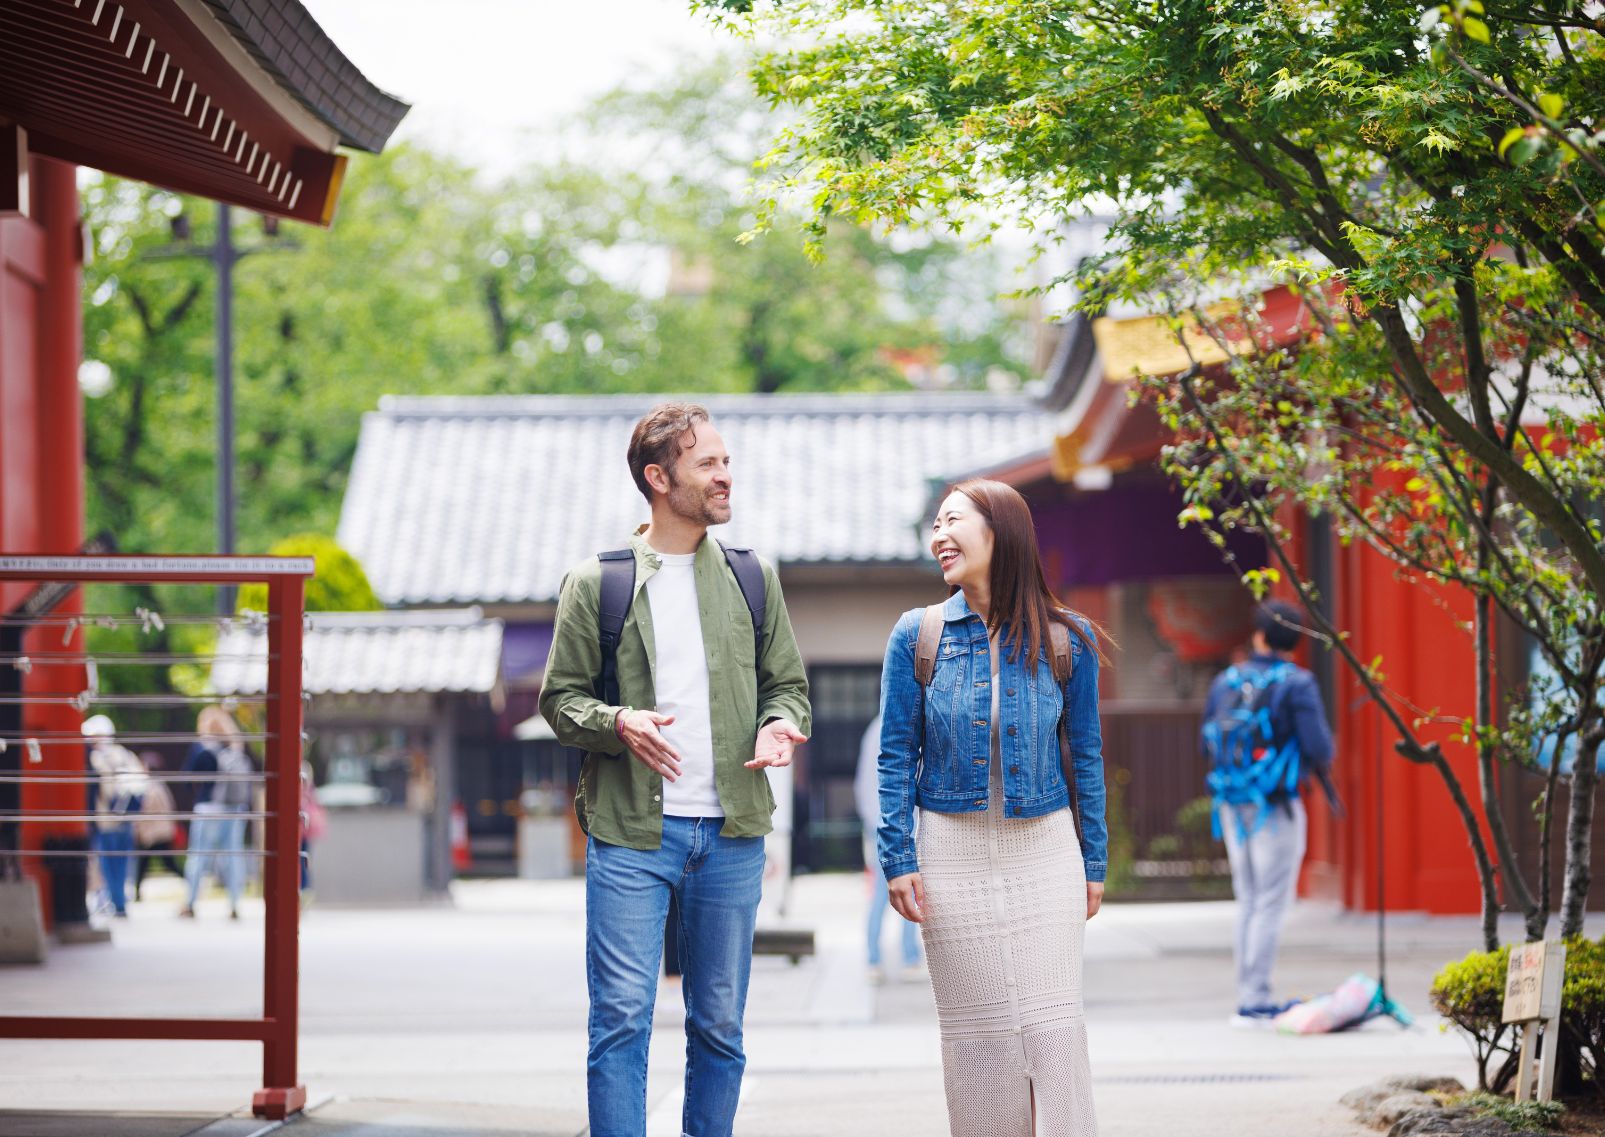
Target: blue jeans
(716, 881)
(879, 903)
(215, 842)
(114, 845)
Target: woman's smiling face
(962, 542)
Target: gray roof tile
(373, 653)
(492, 499)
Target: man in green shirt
(673, 792)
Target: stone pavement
(470, 1019)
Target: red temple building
(1107, 519)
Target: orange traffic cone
(461, 858)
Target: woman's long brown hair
(1021, 601)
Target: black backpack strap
(613, 605)
(749, 575)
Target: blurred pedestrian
(1264, 733)
(155, 829)
(217, 833)
(314, 821)
(116, 796)
(867, 796)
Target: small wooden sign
(1532, 998)
(1533, 983)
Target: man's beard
(699, 508)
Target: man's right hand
(639, 730)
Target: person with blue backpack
(1265, 733)
(674, 667)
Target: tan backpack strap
(1059, 643)
(930, 639)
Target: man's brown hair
(655, 441)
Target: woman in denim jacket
(998, 878)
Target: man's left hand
(1094, 897)
(777, 741)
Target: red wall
(1427, 864)
(41, 441)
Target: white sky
(493, 81)
(483, 75)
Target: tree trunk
(1579, 828)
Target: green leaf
(1551, 105)
(1513, 135)
(1524, 151)
(1475, 29)
(1437, 141)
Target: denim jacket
(936, 742)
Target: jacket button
(1017, 810)
(980, 805)
(1011, 690)
(980, 761)
(980, 722)
(1012, 732)
(1014, 769)
(657, 797)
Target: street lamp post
(224, 256)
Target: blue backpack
(1246, 766)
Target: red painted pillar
(57, 481)
(281, 1093)
(61, 420)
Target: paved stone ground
(470, 1019)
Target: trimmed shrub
(1470, 993)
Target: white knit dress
(1005, 913)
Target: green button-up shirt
(620, 801)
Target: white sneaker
(877, 975)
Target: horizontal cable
(83, 659)
(119, 620)
(46, 816)
(70, 777)
(60, 738)
(84, 854)
(85, 699)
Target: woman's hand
(1094, 897)
(907, 893)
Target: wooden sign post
(1532, 998)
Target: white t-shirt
(681, 672)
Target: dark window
(826, 831)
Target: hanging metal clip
(34, 757)
(150, 620)
(23, 664)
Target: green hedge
(1470, 993)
